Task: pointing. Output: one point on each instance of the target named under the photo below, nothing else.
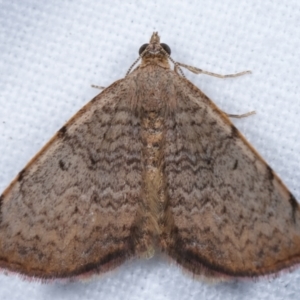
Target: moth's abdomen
(153, 179)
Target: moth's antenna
(176, 65)
(133, 64)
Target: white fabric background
(52, 51)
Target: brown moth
(151, 163)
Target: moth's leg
(177, 68)
(200, 71)
(250, 113)
(98, 87)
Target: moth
(150, 164)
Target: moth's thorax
(152, 89)
(160, 59)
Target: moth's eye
(142, 49)
(166, 48)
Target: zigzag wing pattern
(228, 213)
(82, 212)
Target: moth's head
(155, 52)
(154, 47)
